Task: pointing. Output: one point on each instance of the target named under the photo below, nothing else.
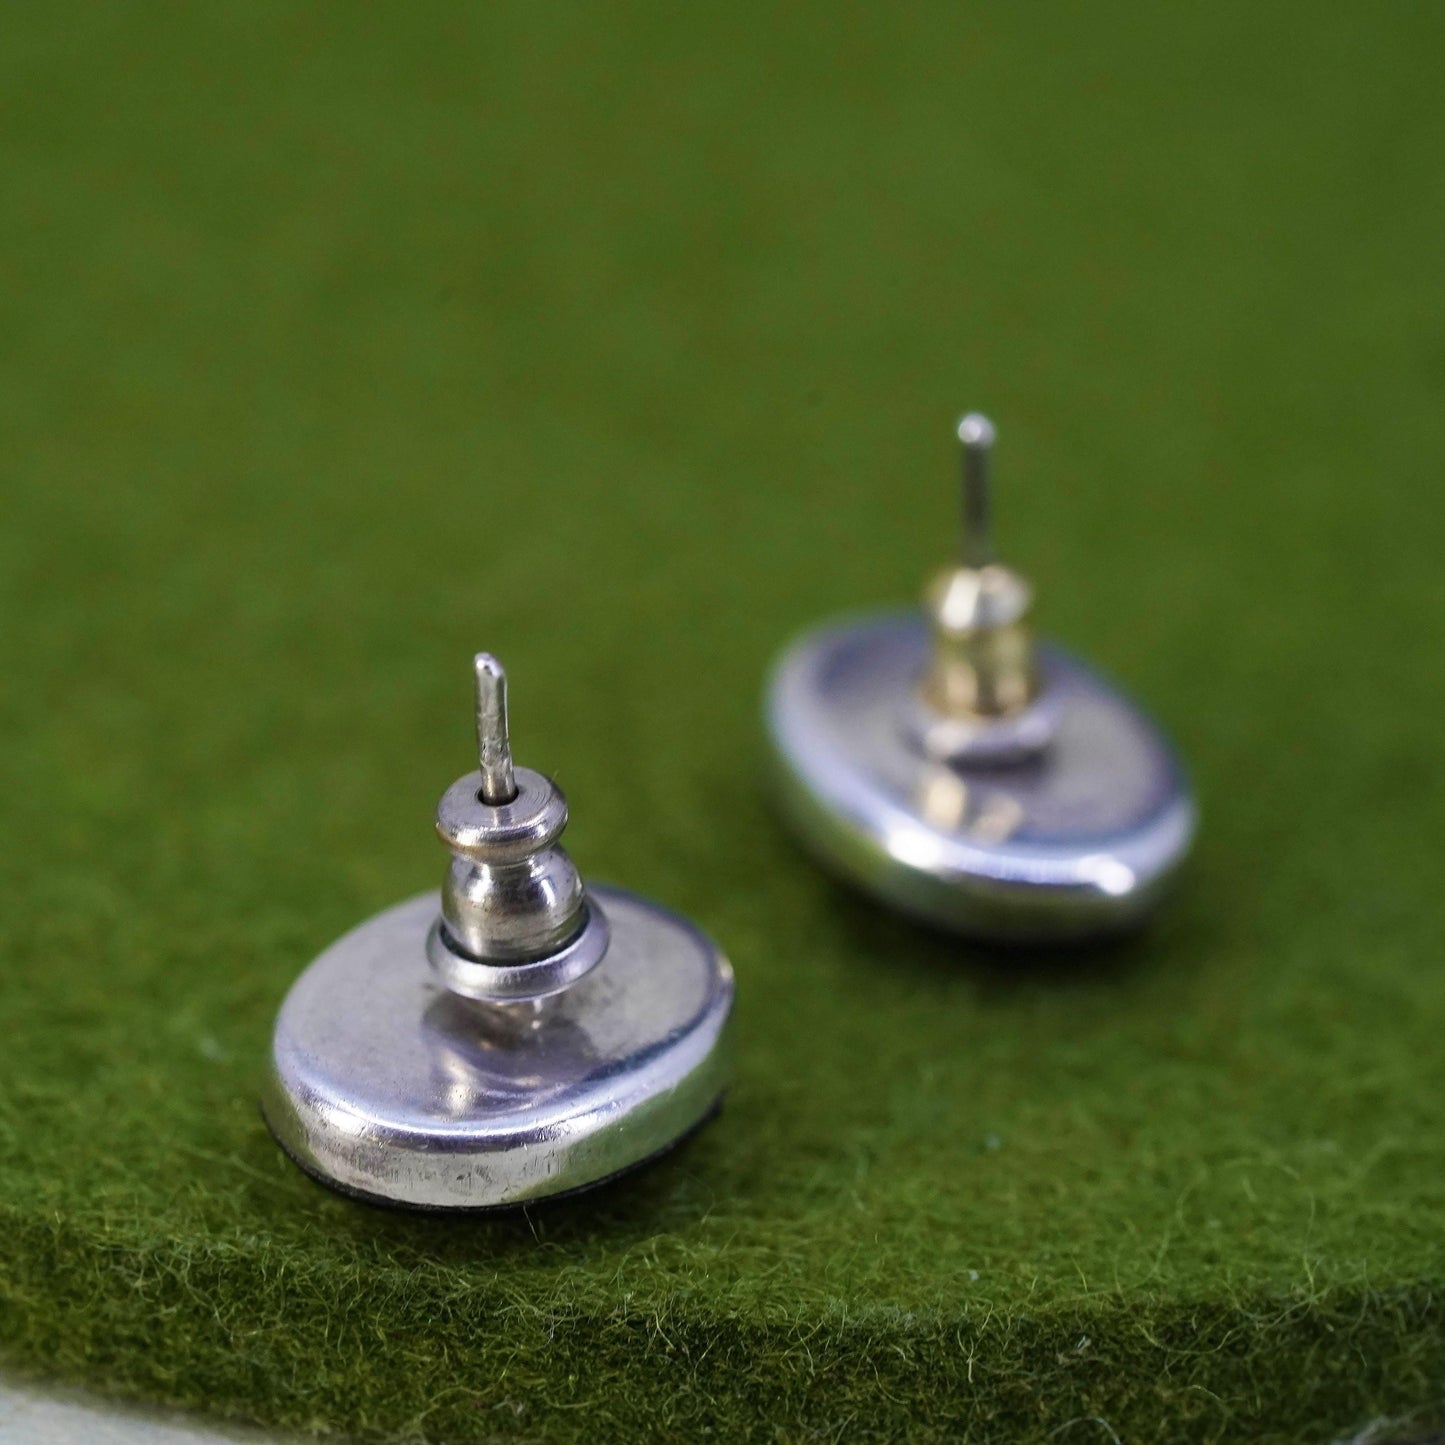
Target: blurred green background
(337, 342)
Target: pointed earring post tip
(975, 430)
(977, 434)
(494, 748)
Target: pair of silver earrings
(529, 1035)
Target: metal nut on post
(509, 893)
(515, 923)
(983, 663)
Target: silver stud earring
(522, 1037)
(967, 775)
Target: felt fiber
(339, 342)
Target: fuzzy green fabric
(341, 341)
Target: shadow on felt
(877, 937)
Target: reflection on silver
(948, 801)
(389, 1087)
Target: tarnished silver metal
(520, 1037)
(965, 774)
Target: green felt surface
(337, 342)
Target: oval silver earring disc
(520, 1037)
(969, 776)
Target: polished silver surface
(1077, 840)
(386, 1085)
